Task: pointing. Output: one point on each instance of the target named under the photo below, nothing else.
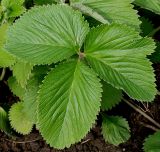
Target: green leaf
(115, 130)
(69, 101)
(3, 29)
(30, 97)
(118, 54)
(15, 87)
(13, 8)
(152, 5)
(6, 59)
(47, 34)
(22, 72)
(18, 119)
(108, 11)
(155, 57)
(44, 2)
(147, 27)
(4, 121)
(152, 143)
(110, 97)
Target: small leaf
(155, 57)
(4, 121)
(69, 101)
(19, 120)
(118, 54)
(47, 34)
(152, 143)
(22, 72)
(15, 87)
(13, 8)
(146, 26)
(30, 97)
(109, 11)
(110, 97)
(44, 2)
(115, 130)
(6, 59)
(152, 5)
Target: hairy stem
(136, 108)
(2, 74)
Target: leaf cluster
(65, 73)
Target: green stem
(136, 108)
(2, 74)
(151, 34)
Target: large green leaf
(5, 58)
(115, 130)
(47, 34)
(110, 97)
(22, 72)
(118, 54)
(152, 5)
(108, 11)
(19, 120)
(69, 102)
(13, 8)
(152, 143)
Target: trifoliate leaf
(152, 5)
(110, 96)
(115, 130)
(4, 121)
(109, 11)
(22, 71)
(6, 59)
(152, 143)
(47, 34)
(69, 101)
(15, 87)
(146, 26)
(118, 54)
(13, 8)
(18, 119)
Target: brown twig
(149, 126)
(85, 141)
(136, 108)
(23, 142)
